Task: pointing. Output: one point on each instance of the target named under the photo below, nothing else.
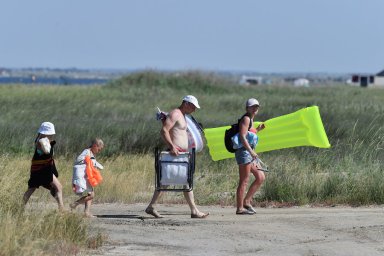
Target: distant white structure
(250, 80)
(4, 73)
(363, 80)
(301, 82)
(351, 82)
(367, 80)
(379, 79)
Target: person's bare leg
(87, 205)
(28, 194)
(150, 208)
(195, 213)
(79, 201)
(59, 192)
(244, 170)
(259, 179)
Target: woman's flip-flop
(249, 208)
(244, 212)
(196, 216)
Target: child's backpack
(229, 133)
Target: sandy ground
(272, 231)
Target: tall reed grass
(122, 114)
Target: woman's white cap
(252, 102)
(47, 128)
(191, 99)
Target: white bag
(174, 169)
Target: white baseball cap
(252, 102)
(47, 128)
(192, 99)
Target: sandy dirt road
(272, 231)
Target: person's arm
(165, 131)
(98, 165)
(260, 127)
(243, 131)
(44, 145)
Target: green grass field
(122, 113)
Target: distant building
(379, 79)
(4, 73)
(365, 80)
(250, 80)
(301, 82)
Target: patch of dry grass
(37, 229)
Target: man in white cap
(174, 134)
(43, 168)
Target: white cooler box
(174, 173)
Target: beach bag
(229, 133)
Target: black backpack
(229, 133)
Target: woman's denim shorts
(243, 156)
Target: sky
(336, 36)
